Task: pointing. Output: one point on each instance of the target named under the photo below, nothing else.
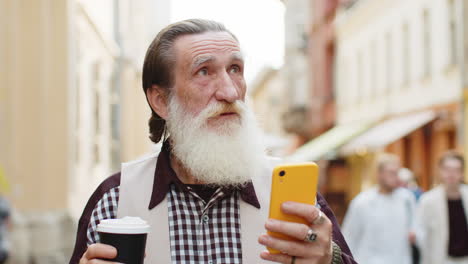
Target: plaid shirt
(207, 232)
(204, 232)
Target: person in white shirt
(442, 213)
(378, 223)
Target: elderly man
(206, 195)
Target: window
(373, 69)
(453, 31)
(341, 80)
(405, 55)
(97, 114)
(427, 47)
(389, 61)
(77, 146)
(115, 122)
(115, 133)
(360, 77)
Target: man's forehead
(195, 45)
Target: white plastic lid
(125, 225)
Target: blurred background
(332, 81)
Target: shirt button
(206, 219)
(210, 262)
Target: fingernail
(287, 205)
(263, 239)
(264, 254)
(112, 250)
(270, 222)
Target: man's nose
(227, 90)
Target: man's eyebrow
(237, 56)
(200, 60)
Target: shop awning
(387, 132)
(328, 142)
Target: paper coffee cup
(128, 235)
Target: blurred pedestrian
(4, 224)
(408, 181)
(442, 215)
(378, 222)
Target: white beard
(229, 154)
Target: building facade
(309, 59)
(71, 109)
(295, 68)
(398, 67)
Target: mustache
(219, 108)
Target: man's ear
(158, 100)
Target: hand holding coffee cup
(98, 251)
(127, 235)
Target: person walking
(378, 222)
(442, 232)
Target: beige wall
(34, 81)
(135, 115)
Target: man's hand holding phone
(298, 232)
(301, 250)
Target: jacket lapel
(253, 219)
(135, 193)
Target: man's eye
(202, 72)
(234, 69)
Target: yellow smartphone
(292, 182)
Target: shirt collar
(164, 176)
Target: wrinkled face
(451, 172)
(388, 176)
(209, 69)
